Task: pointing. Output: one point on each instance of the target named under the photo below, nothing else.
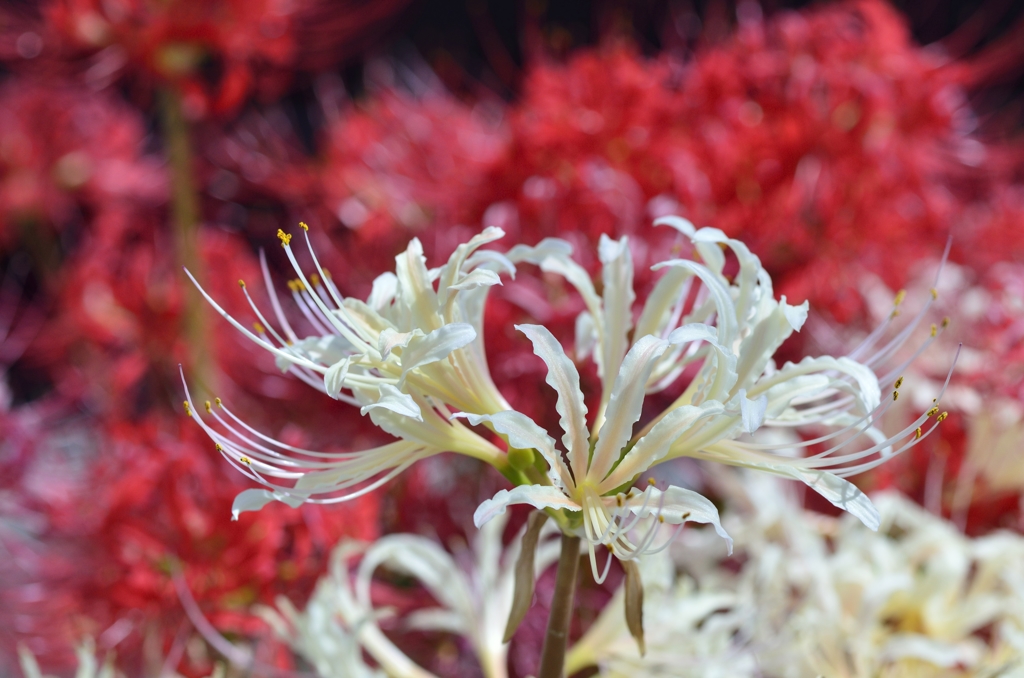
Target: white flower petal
(796, 315)
(523, 433)
(726, 322)
(390, 339)
(658, 307)
(565, 379)
(626, 401)
(653, 447)
(334, 378)
(495, 261)
(436, 345)
(415, 288)
(586, 335)
(617, 305)
(396, 401)
(383, 293)
(764, 339)
(725, 361)
(254, 500)
(478, 278)
(578, 277)
(534, 254)
(841, 493)
(537, 496)
(451, 274)
(752, 411)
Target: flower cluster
(412, 357)
(474, 598)
(819, 596)
(214, 54)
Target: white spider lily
(405, 335)
(731, 329)
(404, 357)
(474, 596)
(335, 628)
(588, 483)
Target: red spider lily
(216, 54)
(149, 499)
(67, 153)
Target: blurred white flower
(88, 665)
(688, 632)
(821, 596)
(474, 596)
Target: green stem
(552, 656)
(185, 225)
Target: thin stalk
(185, 219)
(552, 656)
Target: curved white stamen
(304, 305)
(359, 343)
(289, 356)
(259, 316)
(275, 302)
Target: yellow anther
(935, 330)
(208, 407)
(942, 417)
(217, 400)
(241, 283)
(259, 328)
(285, 238)
(188, 409)
(895, 395)
(217, 446)
(619, 501)
(327, 274)
(932, 412)
(299, 285)
(917, 434)
(661, 518)
(650, 481)
(945, 322)
(314, 280)
(685, 515)
(899, 382)
(291, 286)
(935, 293)
(303, 226)
(900, 296)
(244, 460)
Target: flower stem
(185, 219)
(552, 656)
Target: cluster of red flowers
(214, 55)
(826, 139)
